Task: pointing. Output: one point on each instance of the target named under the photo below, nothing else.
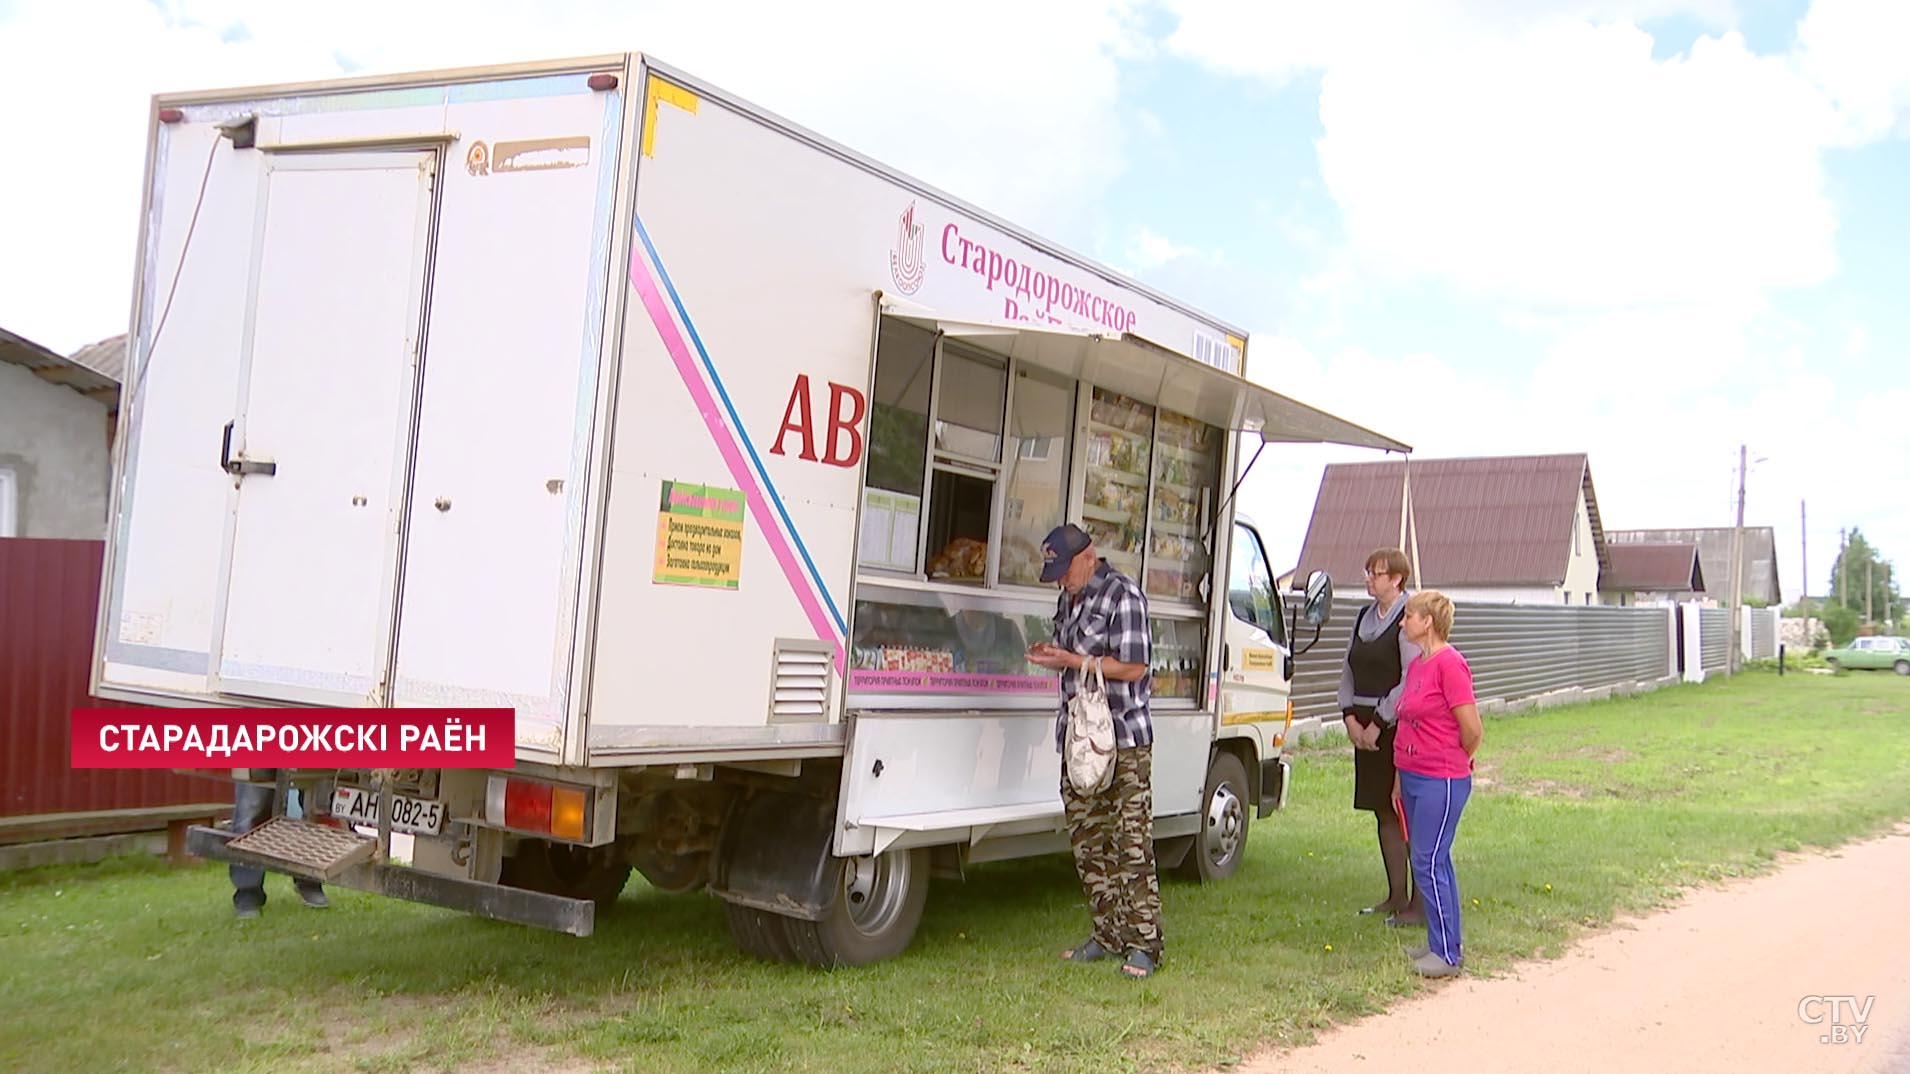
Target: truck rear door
(318, 449)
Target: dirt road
(1728, 980)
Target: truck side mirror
(1316, 609)
(1319, 599)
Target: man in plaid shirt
(1102, 616)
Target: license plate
(414, 815)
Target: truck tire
(759, 933)
(1903, 667)
(594, 873)
(1224, 817)
(1832, 663)
(877, 906)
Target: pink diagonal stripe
(732, 455)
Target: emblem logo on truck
(905, 261)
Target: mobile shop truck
(719, 453)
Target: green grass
(1582, 812)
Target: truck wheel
(759, 933)
(1831, 662)
(878, 903)
(1222, 841)
(1903, 667)
(594, 873)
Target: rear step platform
(305, 847)
(354, 866)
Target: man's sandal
(1090, 951)
(1139, 964)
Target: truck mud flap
(776, 856)
(578, 917)
(1273, 786)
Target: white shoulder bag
(1089, 747)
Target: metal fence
(1714, 631)
(48, 592)
(1763, 633)
(1515, 650)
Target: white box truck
(719, 453)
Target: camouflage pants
(1112, 834)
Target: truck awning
(1137, 367)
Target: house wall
(1644, 598)
(1581, 570)
(53, 442)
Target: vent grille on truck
(799, 692)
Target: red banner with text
(294, 738)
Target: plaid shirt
(1108, 619)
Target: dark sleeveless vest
(1375, 663)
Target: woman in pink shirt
(1439, 731)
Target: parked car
(1872, 653)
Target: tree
(1841, 622)
(1859, 566)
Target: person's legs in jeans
(311, 891)
(251, 806)
(1433, 807)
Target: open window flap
(1152, 373)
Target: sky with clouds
(1650, 230)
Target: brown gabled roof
(107, 357)
(1654, 568)
(1714, 552)
(1503, 520)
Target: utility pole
(1737, 567)
(1804, 549)
(1843, 569)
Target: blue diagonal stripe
(736, 423)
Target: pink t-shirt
(1428, 740)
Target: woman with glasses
(1377, 656)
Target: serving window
(912, 644)
(973, 459)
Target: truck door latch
(241, 466)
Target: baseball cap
(1059, 548)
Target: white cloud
(1282, 39)
(1553, 160)
(1659, 458)
(1026, 123)
(1149, 250)
(1631, 217)
(1855, 49)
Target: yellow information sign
(1259, 659)
(699, 536)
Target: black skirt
(1373, 769)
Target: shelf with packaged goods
(1185, 452)
(1190, 491)
(1103, 427)
(1105, 514)
(1114, 473)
